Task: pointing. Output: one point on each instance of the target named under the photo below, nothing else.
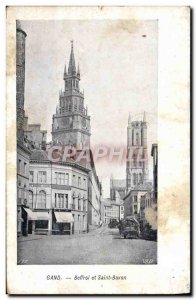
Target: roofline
(72, 164)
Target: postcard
(98, 150)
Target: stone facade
(23, 155)
(148, 211)
(23, 149)
(132, 200)
(20, 78)
(71, 123)
(137, 157)
(94, 198)
(154, 154)
(112, 210)
(61, 187)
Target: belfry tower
(137, 157)
(71, 123)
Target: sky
(118, 66)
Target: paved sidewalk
(32, 237)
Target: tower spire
(65, 71)
(72, 65)
(78, 72)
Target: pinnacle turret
(78, 72)
(72, 65)
(65, 72)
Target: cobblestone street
(101, 246)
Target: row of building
(65, 196)
(136, 196)
(55, 197)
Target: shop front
(38, 221)
(62, 222)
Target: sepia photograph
(98, 150)
(87, 152)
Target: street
(101, 246)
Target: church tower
(137, 157)
(71, 123)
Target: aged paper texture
(98, 179)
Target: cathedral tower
(137, 157)
(71, 123)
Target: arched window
(84, 203)
(79, 202)
(41, 203)
(30, 199)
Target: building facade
(117, 189)
(23, 148)
(137, 156)
(148, 211)
(58, 196)
(154, 154)
(94, 198)
(71, 123)
(132, 201)
(35, 135)
(112, 210)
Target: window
(135, 198)
(67, 179)
(74, 179)
(84, 204)
(79, 181)
(19, 165)
(79, 202)
(41, 203)
(30, 199)
(42, 176)
(31, 175)
(73, 203)
(135, 209)
(62, 178)
(61, 200)
(84, 182)
(25, 168)
(84, 222)
(43, 224)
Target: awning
(36, 215)
(30, 213)
(63, 217)
(41, 215)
